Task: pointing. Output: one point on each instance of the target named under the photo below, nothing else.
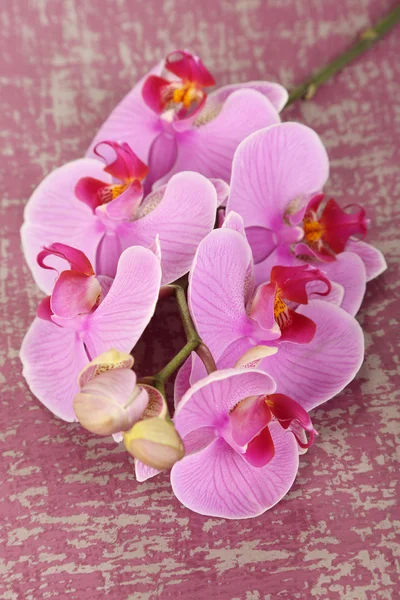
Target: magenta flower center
(110, 192)
(328, 233)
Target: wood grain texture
(73, 521)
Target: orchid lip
(227, 435)
(326, 232)
(180, 89)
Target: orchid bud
(112, 359)
(157, 405)
(110, 401)
(155, 442)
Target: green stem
(203, 352)
(367, 39)
(193, 341)
(188, 325)
(178, 360)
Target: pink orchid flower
(252, 415)
(102, 211)
(240, 460)
(320, 347)
(277, 177)
(174, 125)
(79, 321)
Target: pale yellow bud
(155, 442)
(112, 359)
(110, 402)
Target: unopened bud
(112, 359)
(155, 442)
(110, 402)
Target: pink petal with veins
(74, 293)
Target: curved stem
(178, 360)
(187, 321)
(193, 343)
(203, 352)
(367, 39)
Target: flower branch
(273, 290)
(307, 89)
(193, 342)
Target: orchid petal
(273, 169)
(105, 284)
(213, 397)
(155, 247)
(182, 379)
(124, 165)
(274, 92)
(219, 482)
(188, 67)
(234, 221)
(373, 259)
(55, 213)
(262, 306)
(162, 156)
(87, 191)
(299, 329)
(209, 148)
(123, 315)
(286, 410)
(44, 309)
(292, 282)
(108, 253)
(222, 189)
(153, 92)
(312, 373)
(126, 204)
(131, 121)
(183, 217)
(262, 242)
(248, 419)
(282, 255)
(144, 472)
(52, 358)
(335, 296)
(338, 225)
(324, 255)
(348, 270)
(233, 353)
(217, 289)
(74, 293)
(77, 260)
(261, 449)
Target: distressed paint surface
(73, 521)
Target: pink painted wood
(73, 521)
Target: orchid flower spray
(202, 194)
